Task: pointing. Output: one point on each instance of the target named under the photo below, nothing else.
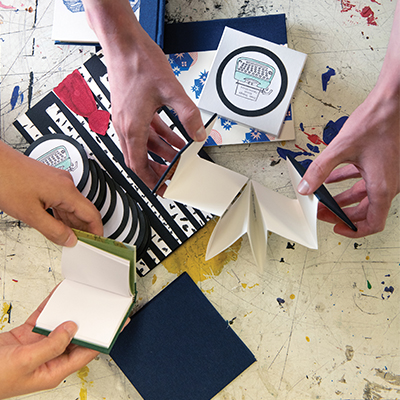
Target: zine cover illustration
(192, 71)
(89, 123)
(252, 81)
(70, 24)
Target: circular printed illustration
(62, 152)
(251, 81)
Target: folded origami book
(245, 206)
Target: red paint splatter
(7, 7)
(346, 5)
(366, 12)
(15, 280)
(305, 151)
(314, 138)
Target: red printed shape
(75, 93)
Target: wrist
(114, 23)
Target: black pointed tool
(323, 195)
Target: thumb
(317, 172)
(53, 229)
(189, 116)
(53, 345)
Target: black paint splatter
(290, 245)
(280, 301)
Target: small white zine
(252, 81)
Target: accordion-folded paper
(245, 206)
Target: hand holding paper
(32, 362)
(29, 188)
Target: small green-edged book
(97, 293)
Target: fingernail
(200, 134)
(303, 187)
(71, 241)
(71, 328)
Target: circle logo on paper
(251, 81)
(62, 152)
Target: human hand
(369, 142)
(29, 188)
(32, 362)
(141, 81)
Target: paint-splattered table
(321, 323)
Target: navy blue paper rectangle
(151, 17)
(205, 35)
(179, 347)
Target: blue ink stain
(284, 152)
(326, 77)
(280, 301)
(332, 129)
(312, 148)
(389, 289)
(14, 97)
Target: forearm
(389, 77)
(114, 23)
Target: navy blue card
(205, 35)
(179, 347)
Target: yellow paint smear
(82, 375)
(4, 315)
(292, 296)
(307, 338)
(190, 257)
(154, 280)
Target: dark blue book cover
(179, 347)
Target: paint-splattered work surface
(322, 323)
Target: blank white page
(97, 313)
(98, 268)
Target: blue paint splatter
(280, 301)
(326, 77)
(301, 126)
(284, 152)
(314, 149)
(332, 129)
(14, 97)
(389, 289)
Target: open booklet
(97, 293)
(245, 206)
